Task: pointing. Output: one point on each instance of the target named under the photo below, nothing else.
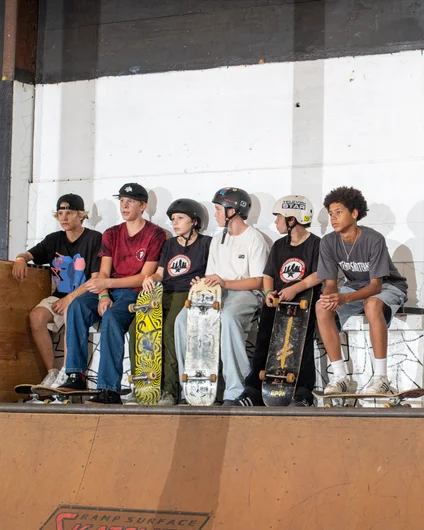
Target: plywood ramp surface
(19, 360)
(247, 473)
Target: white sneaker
(61, 379)
(166, 400)
(129, 399)
(379, 384)
(342, 385)
(50, 377)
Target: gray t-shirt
(368, 259)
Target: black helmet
(191, 208)
(234, 198)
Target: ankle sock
(380, 367)
(339, 369)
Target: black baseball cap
(72, 202)
(132, 190)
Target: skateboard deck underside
(285, 351)
(148, 349)
(203, 345)
(405, 394)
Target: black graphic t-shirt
(180, 267)
(289, 264)
(72, 264)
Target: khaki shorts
(58, 320)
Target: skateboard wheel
(275, 302)
(328, 406)
(215, 306)
(290, 378)
(130, 378)
(47, 401)
(187, 304)
(131, 308)
(151, 375)
(388, 405)
(66, 401)
(184, 378)
(212, 378)
(154, 303)
(303, 304)
(406, 405)
(262, 375)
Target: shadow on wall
(159, 196)
(381, 218)
(414, 267)
(104, 215)
(323, 220)
(260, 216)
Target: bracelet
(20, 258)
(267, 292)
(104, 296)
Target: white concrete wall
(272, 129)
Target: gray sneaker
(167, 400)
(50, 377)
(130, 399)
(61, 379)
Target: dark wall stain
(85, 39)
(6, 95)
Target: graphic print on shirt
(68, 273)
(354, 266)
(178, 265)
(292, 270)
(140, 253)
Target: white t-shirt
(240, 257)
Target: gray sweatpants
(238, 308)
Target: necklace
(353, 246)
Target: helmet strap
(227, 222)
(187, 239)
(290, 228)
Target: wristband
(104, 296)
(20, 258)
(267, 292)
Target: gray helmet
(191, 208)
(296, 206)
(235, 198)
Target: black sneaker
(300, 402)
(250, 397)
(106, 397)
(75, 381)
(230, 403)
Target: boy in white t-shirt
(237, 258)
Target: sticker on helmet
(292, 270)
(293, 205)
(243, 203)
(306, 218)
(178, 265)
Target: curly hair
(351, 198)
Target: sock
(380, 368)
(339, 369)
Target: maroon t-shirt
(130, 253)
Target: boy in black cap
(130, 251)
(73, 257)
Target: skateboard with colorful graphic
(148, 346)
(200, 377)
(395, 399)
(279, 379)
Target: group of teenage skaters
(97, 276)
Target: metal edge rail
(317, 412)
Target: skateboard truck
(143, 376)
(303, 304)
(189, 304)
(198, 376)
(288, 377)
(153, 304)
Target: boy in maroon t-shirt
(130, 252)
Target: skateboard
(279, 379)
(148, 348)
(393, 400)
(46, 394)
(200, 377)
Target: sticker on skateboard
(393, 399)
(148, 346)
(279, 379)
(200, 377)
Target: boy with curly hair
(372, 285)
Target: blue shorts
(390, 295)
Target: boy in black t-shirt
(290, 269)
(183, 258)
(72, 255)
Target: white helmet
(296, 206)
